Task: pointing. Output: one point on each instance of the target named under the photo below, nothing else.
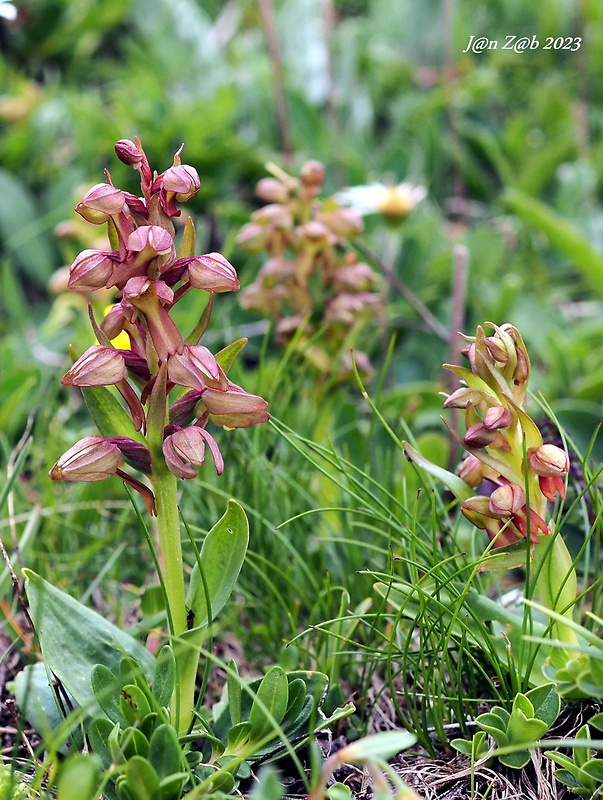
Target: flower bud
(271, 190)
(150, 241)
(178, 184)
(91, 459)
(312, 173)
(128, 153)
(213, 273)
(98, 366)
(253, 237)
(497, 417)
(101, 202)
(356, 277)
(461, 397)
(114, 322)
(185, 449)
(471, 470)
(235, 408)
(274, 216)
(478, 436)
(315, 231)
(195, 367)
(506, 500)
(343, 222)
(91, 270)
(548, 460)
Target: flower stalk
(162, 437)
(509, 476)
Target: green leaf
(109, 415)
(515, 760)
(133, 703)
(233, 682)
(238, 735)
(594, 769)
(339, 791)
(596, 721)
(99, 731)
(106, 690)
(133, 742)
(164, 677)
(561, 234)
(464, 746)
(73, 639)
(228, 354)
(522, 704)
(461, 490)
(546, 702)
(269, 786)
(297, 699)
(221, 559)
(522, 730)
(165, 753)
(493, 724)
(78, 778)
(272, 697)
(142, 780)
(582, 754)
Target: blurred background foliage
(508, 145)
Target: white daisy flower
(7, 10)
(377, 198)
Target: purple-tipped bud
(478, 436)
(253, 236)
(150, 241)
(235, 408)
(91, 270)
(471, 470)
(271, 190)
(213, 273)
(178, 184)
(185, 449)
(315, 231)
(497, 417)
(356, 277)
(312, 173)
(548, 460)
(91, 459)
(507, 499)
(195, 367)
(461, 397)
(114, 322)
(128, 153)
(273, 215)
(98, 366)
(101, 202)
(343, 222)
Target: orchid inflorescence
(150, 275)
(310, 275)
(505, 455)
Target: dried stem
(280, 98)
(430, 320)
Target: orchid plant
(509, 476)
(172, 387)
(310, 279)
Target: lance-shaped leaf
(73, 639)
(213, 577)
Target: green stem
(555, 583)
(168, 525)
